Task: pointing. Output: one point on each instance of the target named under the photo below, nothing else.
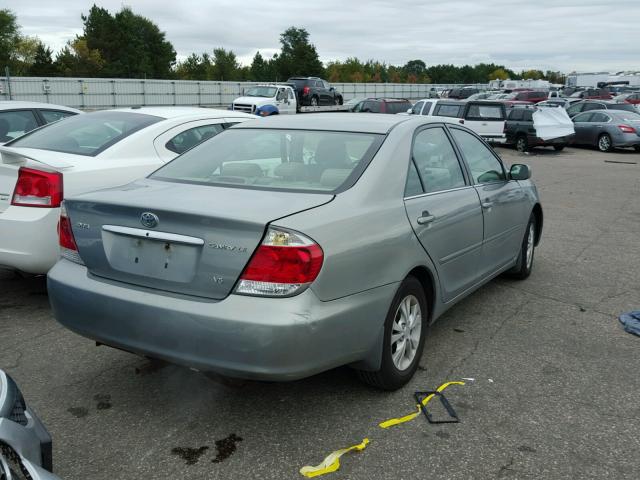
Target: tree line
(128, 45)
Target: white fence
(97, 93)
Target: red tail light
(627, 128)
(36, 188)
(68, 247)
(306, 90)
(284, 264)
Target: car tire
(396, 370)
(559, 148)
(314, 101)
(339, 100)
(604, 143)
(524, 265)
(522, 144)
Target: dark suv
(529, 96)
(383, 105)
(521, 132)
(314, 91)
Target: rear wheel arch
(427, 280)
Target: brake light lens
(306, 90)
(36, 188)
(284, 264)
(627, 128)
(68, 247)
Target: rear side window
(417, 108)
(398, 107)
(623, 106)
(583, 117)
(484, 166)
(87, 134)
(414, 186)
(515, 114)
(16, 123)
(290, 160)
(485, 112)
(448, 111)
(600, 118)
(51, 116)
(436, 161)
(372, 107)
(192, 137)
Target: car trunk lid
(185, 238)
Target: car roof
(378, 99)
(175, 112)
(14, 104)
(341, 122)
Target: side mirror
(519, 171)
(410, 111)
(331, 89)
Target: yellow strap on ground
(407, 418)
(332, 462)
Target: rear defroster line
(332, 461)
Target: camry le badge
(149, 220)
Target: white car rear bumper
(29, 239)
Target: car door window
(417, 108)
(192, 137)
(436, 161)
(484, 166)
(448, 111)
(15, 123)
(414, 185)
(592, 106)
(577, 108)
(582, 118)
(51, 116)
(373, 107)
(599, 118)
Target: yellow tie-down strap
(332, 462)
(407, 418)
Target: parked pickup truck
(267, 100)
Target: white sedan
(81, 154)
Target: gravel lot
(556, 378)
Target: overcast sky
(566, 35)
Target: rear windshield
(398, 107)
(261, 92)
(485, 112)
(298, 82)
(629, 107)
(290, 160)
(87, 134)
(448, 111)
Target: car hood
(253, 99)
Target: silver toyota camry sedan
(287, 246)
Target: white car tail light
(68, 247)
(284, 264)
(36, 188)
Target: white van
(484, 117)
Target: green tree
(225, 65)
(76, 59)
(416, 67)
(298, 56)
(261, 70)
(24, 55)
(532, 74)
(130, 44)
(9, 37)
(43, 62)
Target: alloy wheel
(405, 332)
(604, 143)
(530, 242)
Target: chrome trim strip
(153, 235)
(438, 192)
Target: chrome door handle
(426, 218)
(487, 204)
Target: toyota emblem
(149, 220)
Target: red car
(530, 96)
(633, 98)
(593, 94)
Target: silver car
(288, 246)
(607, 129)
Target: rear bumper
(29, 239)
(539, 142)
(626, 140)
(240, 336)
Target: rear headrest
(334, 177)
(291, 171)
(237, 169)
